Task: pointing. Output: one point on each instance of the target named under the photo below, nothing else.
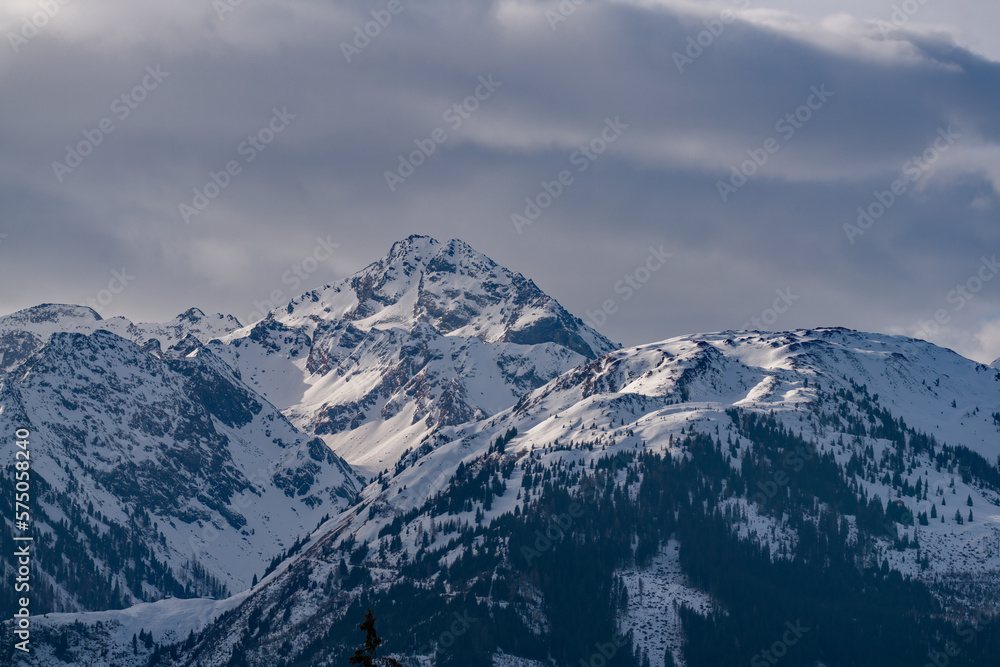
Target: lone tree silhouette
(366, 657)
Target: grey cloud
(324, 174)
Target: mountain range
(436, 438)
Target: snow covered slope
(650, 395)
(912, 379)
(157, 472)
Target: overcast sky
(309, 114)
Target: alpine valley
(438, 440)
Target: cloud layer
(487, 103)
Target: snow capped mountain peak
(413, 244)
(50, 313)
(25, 332)
(452, 287)
(431, 334)
(192, 315)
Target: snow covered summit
(429, 335)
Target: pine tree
(366, 657)
(61, 650)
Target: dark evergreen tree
(367, 657)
